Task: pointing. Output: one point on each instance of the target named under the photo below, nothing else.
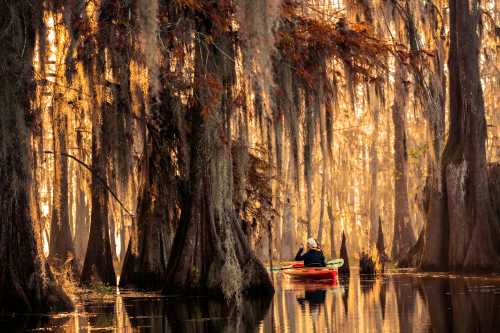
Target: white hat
(312, 243)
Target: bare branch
(103, 181)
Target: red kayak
(312, 273)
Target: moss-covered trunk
(26, 282)
(210, 253)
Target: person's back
(313, 257)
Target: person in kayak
(313, 257)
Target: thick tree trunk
(404, 237)
(431, 92)
(468, 212)
(210, 253)
(98, 265)
(26, 282)
(145, 263)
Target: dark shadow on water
(382, 296)
(344, 282)
(195, 314)
(366, 283)
(147, 314)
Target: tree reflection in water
(392, 303)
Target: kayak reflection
(315, 298)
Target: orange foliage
(307, 40)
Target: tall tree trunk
(374, 210)
(404, 236)
(308, 155)
(324, 161)
(82, 225)
(331, 218)
(322, 209)
(210, 253)
(26, 282)
(468, 212)
(98, 265)
(434, 101)
(61, 242)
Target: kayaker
(313, 257)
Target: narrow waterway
(396, 302)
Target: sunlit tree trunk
(82, 221)
(404, 237)
(26, 282)
(331, 219)
(324, 162)
(61, 242)
(433, 98)
(373, 206)
(310, 100)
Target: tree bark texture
(210, 253)
(145, 263)
(26, 281)
(404, 236)
(468, 213)
(61, 242)
(98, 265)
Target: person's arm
(299, 256)
(323, 263)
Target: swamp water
(395, 302)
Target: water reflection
(396, 302)
(393, 303)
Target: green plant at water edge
(102, 288)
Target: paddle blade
(336, 263)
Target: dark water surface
(396, 302)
